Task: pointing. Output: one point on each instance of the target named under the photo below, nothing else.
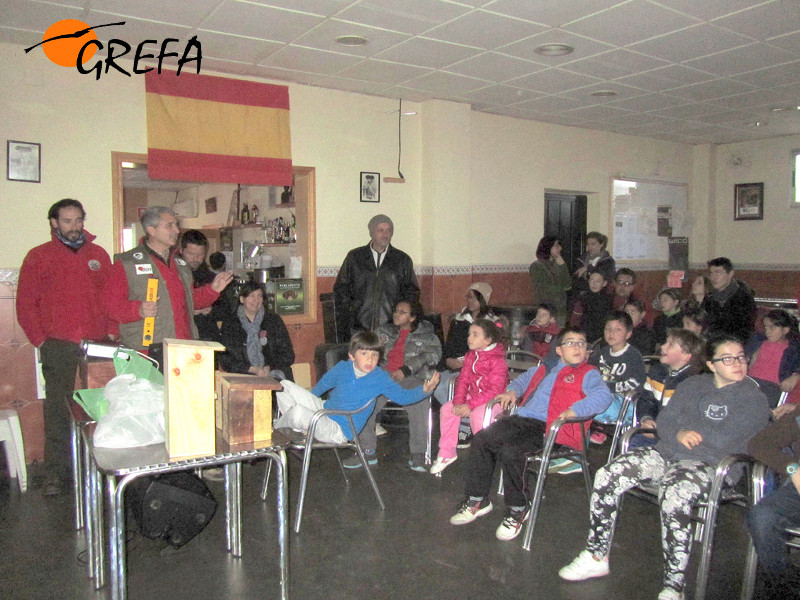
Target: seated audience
(352, 383)
(731, 306)
(624, 284)
(596, 259)
(550, 277)
(695, 319)
(681, 357)
(642, 337)
(541, 332)
(620, 365)
(483, 377)
(256, 341)
(709, 417)
(455, 346)
(411, 350)
(777, 446)
(669, 300)
(571, 388)
(775, 355)
(591, 307)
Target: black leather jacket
(365, 296)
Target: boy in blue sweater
(353, 382)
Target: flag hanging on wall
(215, 129)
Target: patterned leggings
(681, 485)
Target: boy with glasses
(571, 388)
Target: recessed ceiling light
(603, 93)
(757, 123)
(554, 49)
(351, 40)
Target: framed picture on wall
(24, 162)
(748, 201)
(370, 187)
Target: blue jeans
(767, 520)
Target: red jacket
(483, 376)
(59, 292)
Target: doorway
(565, 218)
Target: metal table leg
(279, 458)
(77, 474)
(233, 507)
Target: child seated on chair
(353, 383)
(775, 355)
(642, 337)
(620, 364)
(483, 376)
(681, 357)
(571, 388)
(591, 306)
(541, 332)
(709, 417)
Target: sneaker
(417, 463)
(379, 430)
(440, 464)
(584, 567)
(598, 438)
(670, 594)
(559, 463)
(465, 441)
(469, 510)
(512, 524)
(570, 469)
(354, 462)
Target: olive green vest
(131, 333)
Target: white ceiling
(693, 71)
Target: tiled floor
(350, 549)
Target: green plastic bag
(125, 362)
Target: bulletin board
(645, 216)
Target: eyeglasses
(572, 344)
(729, 360)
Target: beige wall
(475, 182)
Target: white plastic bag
(135, 415)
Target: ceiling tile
(310, 60)
(612, 25)
(263, 22)
(427, 53)
(692, 42)
(648, 102)
(690, 111)
(741, 60)
(382, 71)
(772, 76)
(499, 94)
(189, 14)
(763, 97)
(406, 93)
(556, 104)
(352, 85)
(553, 81)
(790, 42)
(710, 90)
(37, 16)
(600, 113)
(622, 91)
(615, 64)
(762, 22)
(494, 67)
(230, 67)
(550, 12)
(324, 37)
(449, 84)
(584, 47)
(484, 30)
(324, 8)
(708, 9)
(137, 30)
(401, 15)
(234, 47)
(666, 78)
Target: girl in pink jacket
(483, 376)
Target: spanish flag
(215, 129)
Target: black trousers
(506, 441)
(59, 365)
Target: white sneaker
(584, 567)
(669, 594)
(440, 464)
(379, 430)
(469, 510)
(511, 525)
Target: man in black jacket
(372, 279)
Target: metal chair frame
(705, 514)
(307, 445)
(619, 425)
(550, 452)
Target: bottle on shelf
(245, 215)
(254, 214)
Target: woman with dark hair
(550, 277)
(256, 341)
(775, 355)
(455, 346)
(596, 259)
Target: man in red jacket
(58, 305)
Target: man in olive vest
(126, 291)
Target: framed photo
(211, 205)
(24, 162)
(748, 201)
(370, 187)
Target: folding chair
(705, 514)
(619, 426)
(538, 463)
(306, 443)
